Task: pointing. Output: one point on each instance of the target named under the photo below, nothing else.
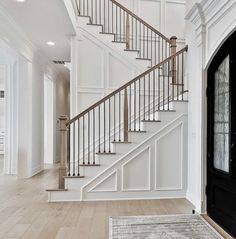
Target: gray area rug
(161, 227)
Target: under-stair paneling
(169, 160)
(136, 172)
(108, 184)
(154, 168)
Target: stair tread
(131, 50)
(151, 120)
(121, 142)
(93, 24)
(140, 58)
(107, 33)
(57, 190)
(137, 131)
(105, 153)
(73, 176)
(119, 42)
(167, 111)
(89, 165)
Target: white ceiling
(43, 21)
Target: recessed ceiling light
(20, 0)
(50, 43)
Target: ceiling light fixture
(20, 0)
(50, 43)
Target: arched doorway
(221, 137)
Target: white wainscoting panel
(136, 173)
(108, 184)
(169, 160)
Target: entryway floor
(25, 212)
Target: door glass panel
(221, 117)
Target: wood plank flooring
(25, 212)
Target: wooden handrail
(125, 86)
(141, 20)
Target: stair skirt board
(139, 173)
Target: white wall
(209, 23)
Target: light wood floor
(25, 213)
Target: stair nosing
(89, 165)
(121, 142)
(101, 153)
(150, 121)
(137, 131)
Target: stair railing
(108, 121)
(127, 28)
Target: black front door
(221, 137)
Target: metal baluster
(112, 18)
(159, 88)
(119, 118)
(78, 148)
(132, 36)
(156, 49)
(114, 118)
(130, 108)
(68, 149)
(109, 125)
(94, 136)
(153, 93)
(144, 95)
(136, 35)
(168, 94)
(182, 54)
(104, 137)
(163, 85)
(104, 13)
(83, 8)
(139, 102)
(135, 106)
(151, 50)
(149, 97)
(73, 149)
(96, 7)
(120, 25)
(143, 41)
(147, 43)
(99, 129)
(125, 116)
(116, 25)
(88, 137)
(100, 12)
(83, 142)
(108, 16)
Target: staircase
(132, 143)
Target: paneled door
(221, 137)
